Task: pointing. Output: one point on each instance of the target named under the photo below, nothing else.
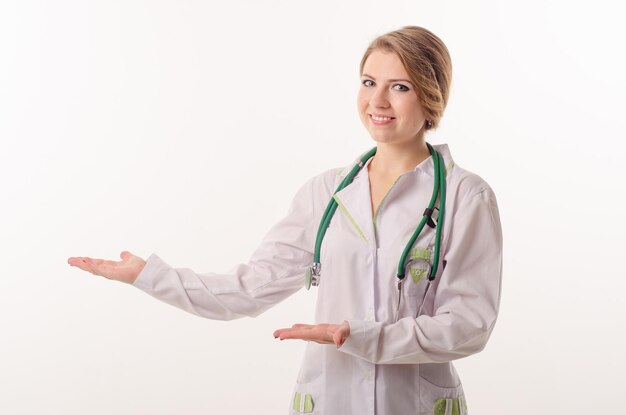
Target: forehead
(385, 65)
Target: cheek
(412, 111)
(363, 97)
(359, 102)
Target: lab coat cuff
(151, 273)
(362, 338)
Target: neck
(392, 160)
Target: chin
(389, 139)
(383, 138)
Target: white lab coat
(385, 366)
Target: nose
(379, 98)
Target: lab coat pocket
(439, 400)
(417, 270)
(307, 395)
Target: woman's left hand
(319, 333)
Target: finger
(279, 332)
(92, 265)
(295, 326)
(317, 336)
(72, 261)
(80, 262)
(89, 265)
(301, 333)
(125, 255)
(287, 333)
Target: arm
(274, 271)
(466, 300)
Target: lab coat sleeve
(466, 300)
(274, 271)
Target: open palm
(319, 333)
(125, 270)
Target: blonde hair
(427, 61)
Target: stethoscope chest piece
(312, 276)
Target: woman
(382, 344)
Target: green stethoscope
(439, 189)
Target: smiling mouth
(380, 119)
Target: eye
(366, 81)
(406, 88)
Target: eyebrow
(391, 80)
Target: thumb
(341, 334)
(125, 254)
(337, 338)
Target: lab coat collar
(426, 166)
(355, 199)
(355, 202)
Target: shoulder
(463, 185)
(472, 203)
(471, 209)
(317, 190)
(324, 184)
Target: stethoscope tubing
(332, 205)
(439, 190)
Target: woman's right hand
(125, 270)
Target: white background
(184, 128)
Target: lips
(380, 119)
